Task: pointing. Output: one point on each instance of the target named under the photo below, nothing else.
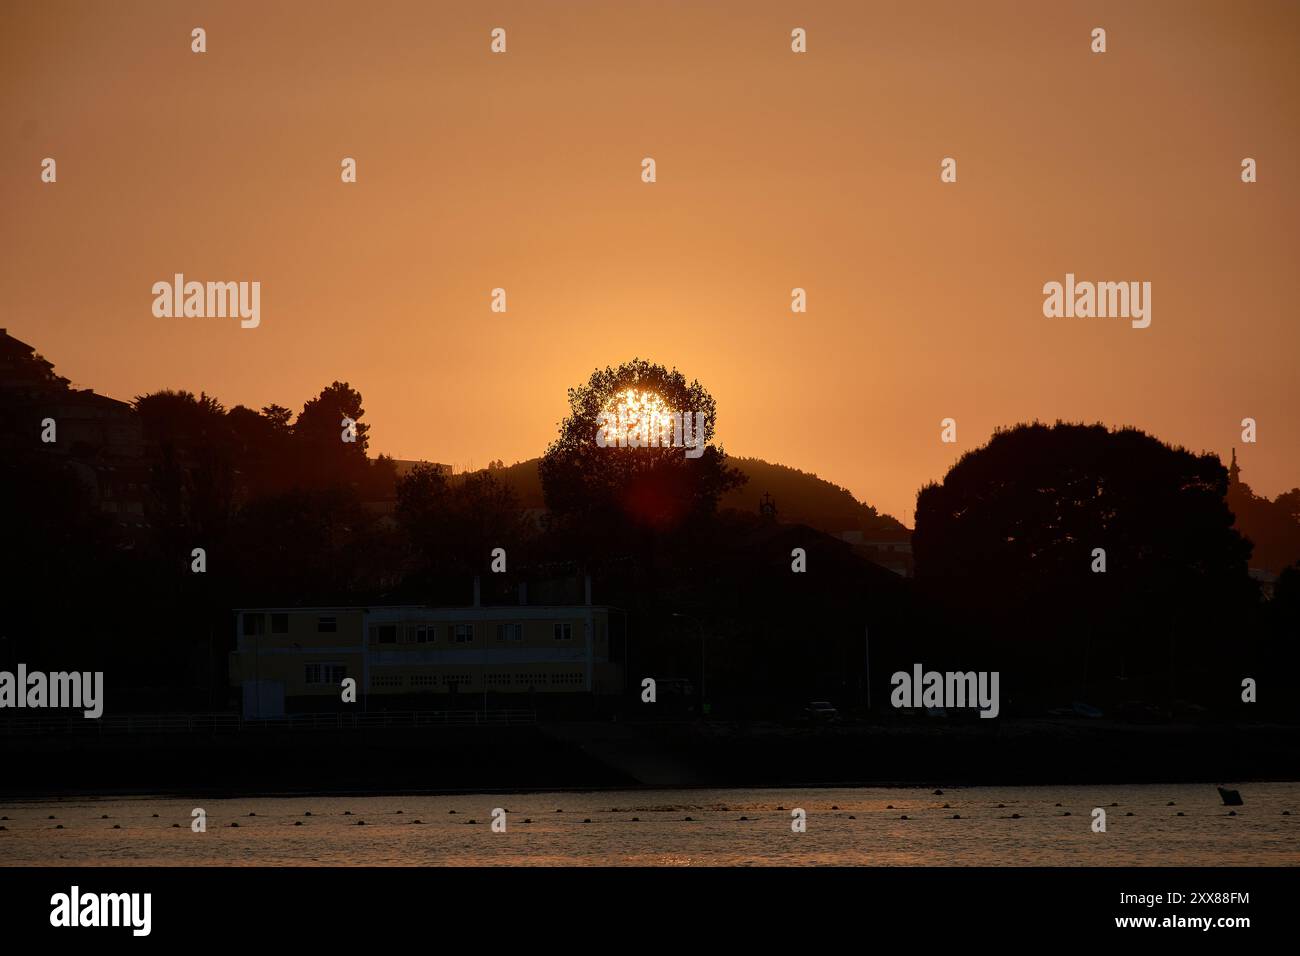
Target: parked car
(821, 712)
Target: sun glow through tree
(642, 414)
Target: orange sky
(775, 170)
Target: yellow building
(407, 657)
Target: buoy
(51, 817)
(528, 819)
(307, 814)
(557, 810)
(155, 816)
(399, 811)
(1129, 814)
(903, 817)
(348, 813)
(1286, 813)
(1231, 798)
(1002, 806)
(833, 807)
(588, 820)
(117, 826)
(1232, 813)
(636, 819)
(59, 827)
(946, 807)
(417, 821)
(956, 816)
(690, 820)
(234, 824)
(1066, 813)
(744, 818)
(104, 817)
(1114, 804)
(1015, 816)
(1180, 813)
(297, 823)
(852, 817)
(1170, 803)
(938, 793)
(451, 811)
(470, 820)
(176, 826)
(361, 823)
(888, 807)
(252, 814)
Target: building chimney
(476, 591)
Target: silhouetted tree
(454, 524)
(1008, 538)
(318, 435)
(658, 488)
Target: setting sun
(643, 414)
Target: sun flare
(643, 414)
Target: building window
(464, 633)
(254, 624)
(386, 680)
(426, 634)
(325, 673)
(327, 625)
(279, 623)
(386, 633)
(563, 632)
(510, 632)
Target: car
(821, 712)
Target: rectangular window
(279, 623)
(327, 625)
(386, 634)
(324, 673)
(563, 632)
(510, 632)
(464, 633)
(254, 624)
(426, 634)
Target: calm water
(845, 826)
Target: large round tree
(588, 479)
(1015, 536)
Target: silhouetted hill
(800, 497)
